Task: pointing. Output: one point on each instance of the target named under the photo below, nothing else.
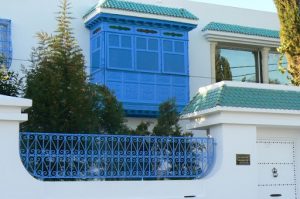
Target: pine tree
(143, 129)
(289, 17)
(109, 112)
(57, 82)
(167, 122)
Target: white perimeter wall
(16, 183)
(288, 134)
(226, 180)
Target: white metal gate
(276, 169)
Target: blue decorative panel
(143, 62)
(164, 79)
(179, 47)
(116, 88)
(113, 40)
(141, 43)
(5, 42)
(53, 156)
(163, 93)
(148, 78)
(147, 61)
(131, 77)
(120, 58)
(114, 76)
(96, 59)
(168, 45)
(130, 92)
(179, 80)
(174, 57)
(147, 93)
(173, 63)
(126, 41)
(179, 93)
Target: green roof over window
(244, 97)
(245, 30)
(145, 8)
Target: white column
(265, 66)
(213, 46)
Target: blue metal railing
(93, 156)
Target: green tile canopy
(228, 95)
(245, 30)
(144, 8)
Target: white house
(147, 51)
(255, 143)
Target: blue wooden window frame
(5, 41)
(119, 46)
(147, 49)
(174, 51)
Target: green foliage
(10, 83)
(57, 83)
(143, 129)
(288, 13)
(167, 123)
(109, 112)
(223, 71)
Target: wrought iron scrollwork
(92, 156)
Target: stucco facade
(28, 18)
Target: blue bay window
(143, 63)
(5, 42)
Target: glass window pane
(235, 65)
(276, 76)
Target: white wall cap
(250, 85)
(15, 101)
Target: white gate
(276, 169)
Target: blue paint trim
(8, 52)
(139, 89)
(60, 156)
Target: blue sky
(265, 5)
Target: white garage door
(276, 169)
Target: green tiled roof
(145, 8)
(229, 96)
(245, 30)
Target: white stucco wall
(31, 16)
(16, 183)
(281, 134)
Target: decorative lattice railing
(88, 156)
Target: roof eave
(98, 10)
(219, 36)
